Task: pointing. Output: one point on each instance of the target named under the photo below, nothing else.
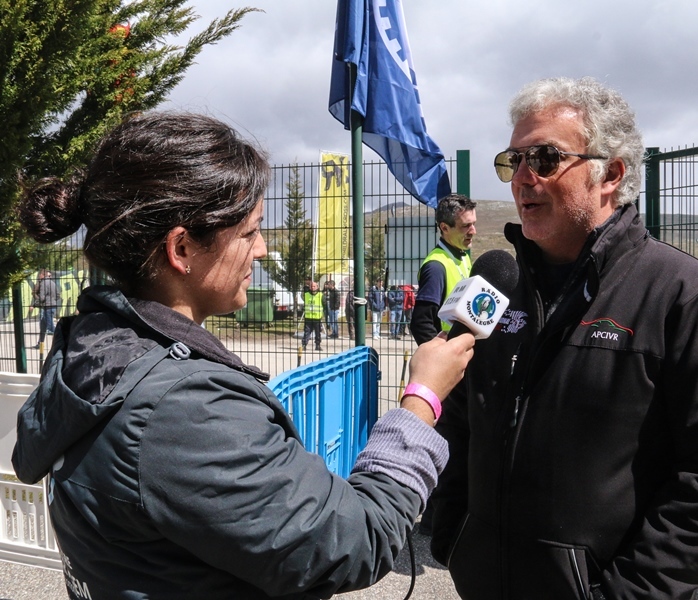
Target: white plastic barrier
(26, 535)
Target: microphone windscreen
(498, 268)
(500, 271)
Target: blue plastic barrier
(334, 404)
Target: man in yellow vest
(442, 269)
(444, 266)
(313, 315)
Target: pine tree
(374, 250)
(69, 70)
(296, 249)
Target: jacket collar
(166, 322)
(457, 252)
(609, 240)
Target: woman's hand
(439, 365)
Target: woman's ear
(179, 250)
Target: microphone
(477, 303)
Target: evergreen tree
(296, 249)
(69, 70)
(375, 250)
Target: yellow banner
(332, 249)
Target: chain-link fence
(671, 197)
(398, 233)
(300, 233)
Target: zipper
(500, 533)
(510, 434)
(514, 358)
(515, 417)
(577, 574)
(517, 400)
(508, 429)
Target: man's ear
(615, 171)
(179, 250)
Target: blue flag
(371, 34)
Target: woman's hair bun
(50, 209)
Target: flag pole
(357, 195)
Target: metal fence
(272, 342)
(671, 189)
(267, 332)
(398, 233)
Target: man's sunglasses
(543, 160)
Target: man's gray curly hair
(609, 124)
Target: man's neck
(457, 252)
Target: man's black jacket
(574, 435)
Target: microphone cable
(413, 565)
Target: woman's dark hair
(152, 173)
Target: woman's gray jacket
(177, 474)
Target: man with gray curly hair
(573, 437)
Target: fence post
(18, 318)
(463, 172)
(357, 181)
(652, 192)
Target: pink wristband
(422, 391)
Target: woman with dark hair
(174, 471)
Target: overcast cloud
(270, 79)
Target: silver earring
(188, 269)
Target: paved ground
(18, 582)
(433, 581)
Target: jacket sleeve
(246, 497)
(409, 300)
(423, 323)
(426, 324)
(450, 498)
(349, 304)
(39, 294)
(371, 299)
(661, 561)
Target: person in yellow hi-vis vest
(444, 266)
(313, 315)
(441, 270)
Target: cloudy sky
(270, 79)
